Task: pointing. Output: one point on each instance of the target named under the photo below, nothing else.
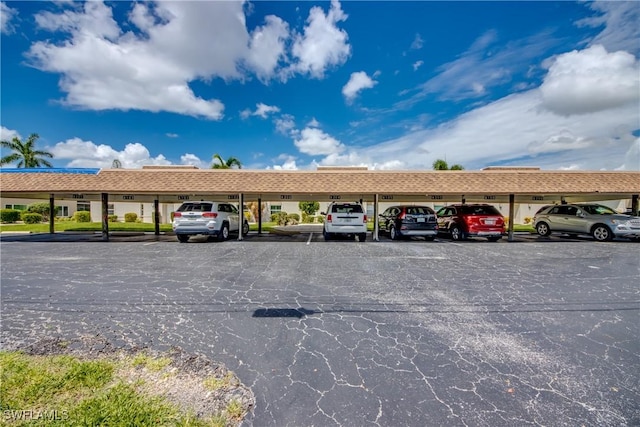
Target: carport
(176, 184)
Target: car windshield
(195, 207)
(598, 210)
(479, 210)
(419, 210)
(346, 209)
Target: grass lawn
(64, 390)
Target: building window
(62, 210)
(16, 207)
(276, 209)
(83, 206)
(110, 209)
(141, 210)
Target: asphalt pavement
(342, 333)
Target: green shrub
(320, 219)
(279, 218)
(82, 216)
(41, 208)
(113, 218)
(293, 219)
(31, 218)
(130, 217)
(9, 215)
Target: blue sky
(294, 85)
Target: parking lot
(541, 331)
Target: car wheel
(543, 229)
(392, 233)
(224, 233)
(183, 238)
(456, 233)
(362, 237)
(245, 229)
(601, 233)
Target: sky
(297, 85)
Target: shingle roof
(326, 181)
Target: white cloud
(263, 110)
(6, 16)
(314, 123)
(103, 68)
(172, 135)
(417, 65)
(288, 163)
(314, 141)
(192, 159)
(8, 134)
(620, 21)
(323, 44)
(357, 83)
(591, 80)
(417, 42)
(89, 155)
(285, 124)
(267, 47)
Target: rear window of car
(346, 209)
(479, 210)
(195, 207)
(419, 210)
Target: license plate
(346, 220)
(420, 219)
(490, 221)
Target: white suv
(346, 219)
(214, 219)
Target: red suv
(462, 221)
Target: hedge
(9, 215)
(82, 216)
(31, 218)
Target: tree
(220, 163)
(24, 153)
(442, 165)
(310, 208)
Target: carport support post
(241, 200)
(259, 215)
(375, 218)
(512, 211)
(105, 217)
(52, 214)
(156, 215)
(634, 204)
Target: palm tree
(441, 165)
(24, 153)
(220, 163)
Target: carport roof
(169, 180)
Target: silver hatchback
(599, 221)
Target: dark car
(406, 221)
(462, 221)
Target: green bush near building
(31, 218)
(130, 217)
(82, 216)
(9, 215)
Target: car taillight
(329, 218)
(177, 214)
(364, 219)
(402, 216)
(471, 219)
(210, 215)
